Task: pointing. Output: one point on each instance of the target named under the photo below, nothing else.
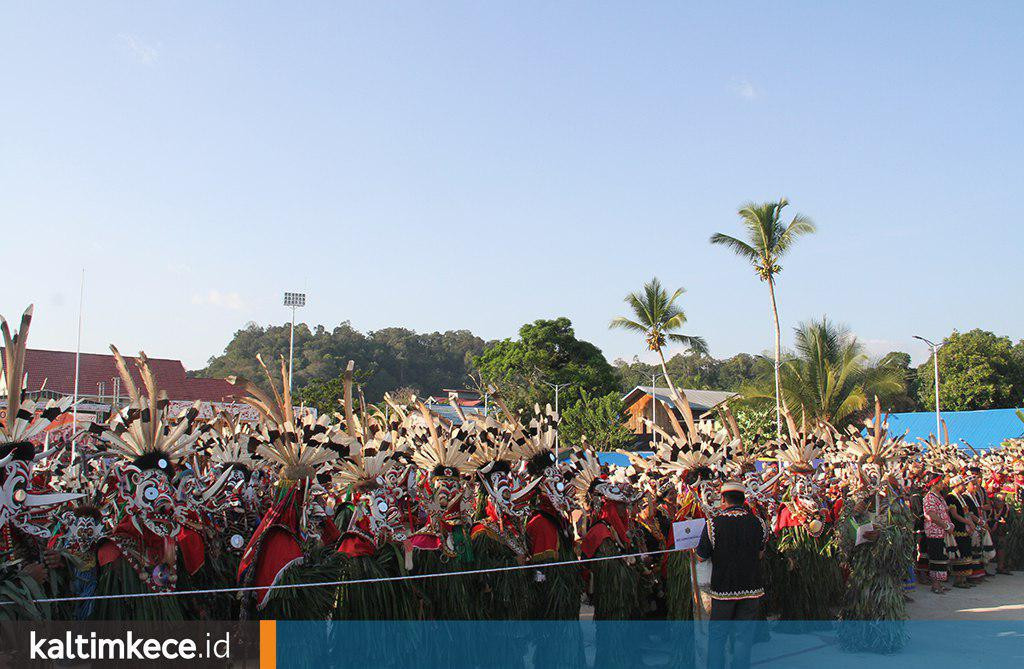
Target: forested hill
(386, 359)
(979, 369)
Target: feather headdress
(366, 464)
(536, 445)
(877, 446)
(231, 443)
(299, 446)
(942, 456)
(702, 447)
(142, 433)
(439, 451)
(799, 447)
(490, 441)
(26, 419)
(583, 474)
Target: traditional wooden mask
(20, 505)
(149, 499)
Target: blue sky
(479, 165)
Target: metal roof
(980, 429)
(618, 459)
(56, 370)
(700, 400)
(448, 413)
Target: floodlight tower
(293, 300)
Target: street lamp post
(557, 387)
(293, 300)
(935, 359)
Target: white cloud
(745, 89)
(142, 52)
(214, 298)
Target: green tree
(546, 351)
(977, 370)
(599, 418)
(828, 378)
(325, 395)
(767, 240)
(757, 425)
(392, 357)
(634, 373)
(733, 373)
(689, 370)
(907, 399)
(657, 316)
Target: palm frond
(624, 323)
(738, 246)
(694, 343)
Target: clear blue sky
(479, 165)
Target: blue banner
(584, 644)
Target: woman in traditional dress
(963, 528)
(937, 527)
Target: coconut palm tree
(657, 316)
(829, 378)
(767, 240)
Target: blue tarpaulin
(980, 429)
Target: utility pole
(935, 359)
(557, 387)
(78, 356)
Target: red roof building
(97, 374)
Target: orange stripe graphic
(268, 644)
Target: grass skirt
(805, 578)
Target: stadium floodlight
(293, 300)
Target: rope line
(362, 581)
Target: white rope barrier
(362, 581)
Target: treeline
(386, 360)
(979, 370)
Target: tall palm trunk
(698, 606)
(778, 358)
(664, 369)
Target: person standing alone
(733, 540)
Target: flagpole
(78, 355)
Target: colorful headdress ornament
(299, 446)
(585, 478)
(232, 443)
(26, 419)
(19, 503)
(142, 433)
(877, 447)
(437, 451)
(799, 447)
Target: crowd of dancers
(474, 519)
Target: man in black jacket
(734, 541)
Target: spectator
(733, 540)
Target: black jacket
(733, 541)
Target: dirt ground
(999, 598)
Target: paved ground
(931, 644)
(1000, 598)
